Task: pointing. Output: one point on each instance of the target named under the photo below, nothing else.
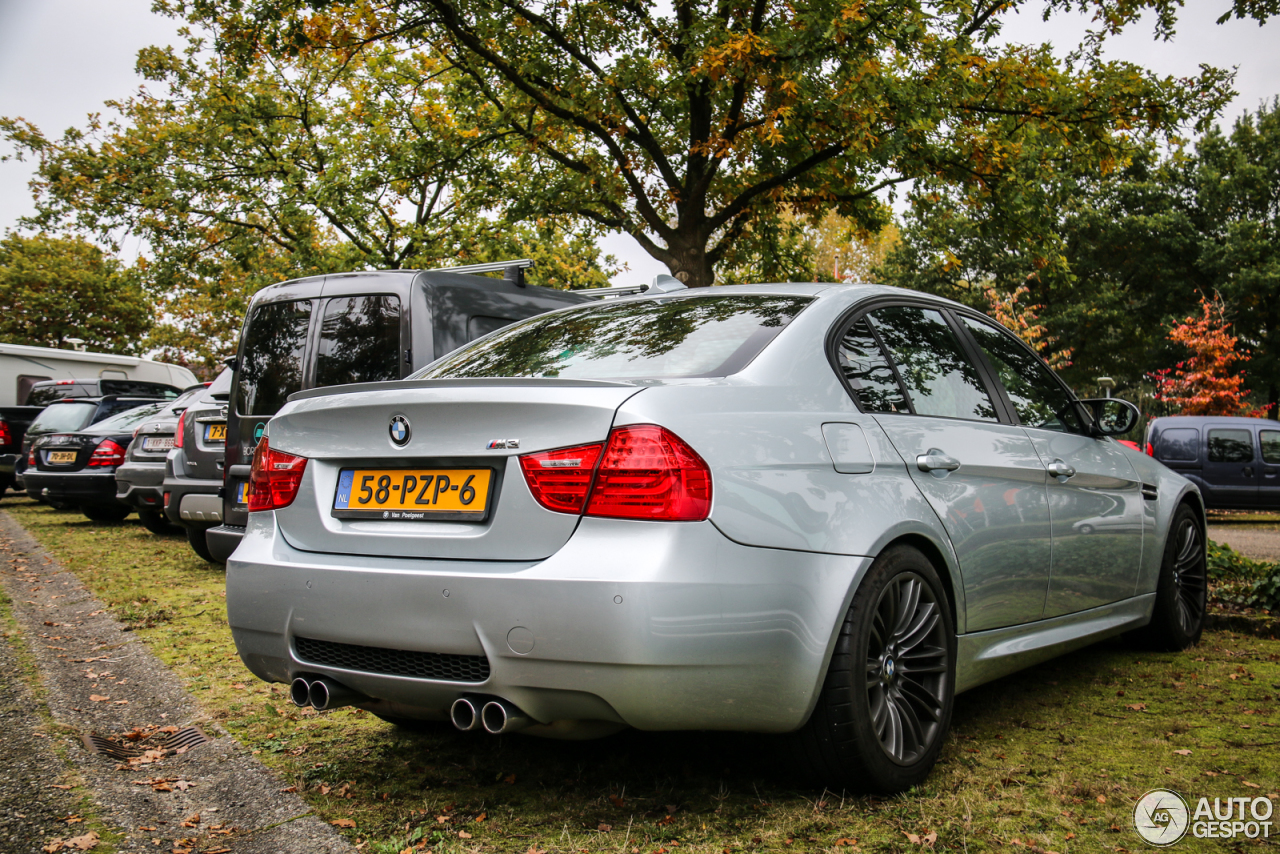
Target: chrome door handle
(936, 460)
(1058, 468)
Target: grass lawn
(1053, 758)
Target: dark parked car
(356, 328)
(14, 421)
(193, 470)
(1234, 461)
(140, 479)
(69, 415)
(79, 469)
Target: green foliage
(1227, 564)
(54, 289)
(697, 128)
(1265, 594)
(1115, 257)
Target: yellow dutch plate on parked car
(57, 457)
(413, 494)
(215, 433)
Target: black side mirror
(1111, 416)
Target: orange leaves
(1205, 383)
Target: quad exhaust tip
(322, 693)
(464, 714)
(499, 716)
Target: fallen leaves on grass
(1183, 752)
(76, 843)
(98, 698)
(343, 822)
(915, 839)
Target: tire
(1177, 621)
(1086, 530)
(886, 703)
(156, 522)
(195, 536)
(105, 512)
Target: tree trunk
(689, 263)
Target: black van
(1234, 461)
(355, 328)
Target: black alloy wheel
(156, 522)
(885, 706)
(1182, 590)
(198, 543)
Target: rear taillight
(182, 423)
(648, 472)
(31, 457)
(274, 479)
(644, 472)
(1151, 450)
(6, 435)
(108, 453)
(560, 480)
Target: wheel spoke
(923, 699)
(907, 606)
(927, 617)
(913, 736)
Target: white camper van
(21, 367)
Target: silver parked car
(821, 510)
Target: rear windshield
(711, 336)
(126, 421)
(43, 395)
(271, 367)
(63, 418)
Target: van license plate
(215, 432)
(413, 494)
(58, 457)
(242, 492)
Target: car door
(981, 476)
(1230, 466)
(1269, 483)
(1095, 497)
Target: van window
(480, 326)
(1230, 446)
(1270, 446)
(359, 340)
(1179, 444)
(25, 382)
(271, 368)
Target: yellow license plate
(413, 494)
(62, 456)
(215, 433)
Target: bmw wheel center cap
(400, 431)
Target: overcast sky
(61, 59)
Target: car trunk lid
(467, 433)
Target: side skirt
(984, 656)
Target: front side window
(1270, 446)
(359, 340)
(1179, 444)
(1036, 396)
(1230, 446)
(939, 379)
(683, 336)
(271, 368)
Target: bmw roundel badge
(400, 431)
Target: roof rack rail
(661, 284)
(513, 270)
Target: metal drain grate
(394, 662)
(169, 743)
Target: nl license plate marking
(157, 443)
(413, 494)
(62, 457)
(242, 492)
(215, 432)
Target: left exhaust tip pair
(321, 693)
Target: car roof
(1198, 420)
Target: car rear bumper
(657, 626)
(86, 487)
(140, 485)
(182, 488)
(223, 541)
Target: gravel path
(1257, 543)
(100, 680)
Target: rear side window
(1178, 445)
(271, 368)
(699, 336)
(939, 379)
(25, 382)
(868, 372)
(63, 418)
(1230, 446)
(1270, 446)
(359, 340)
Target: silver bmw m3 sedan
(813, 510)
